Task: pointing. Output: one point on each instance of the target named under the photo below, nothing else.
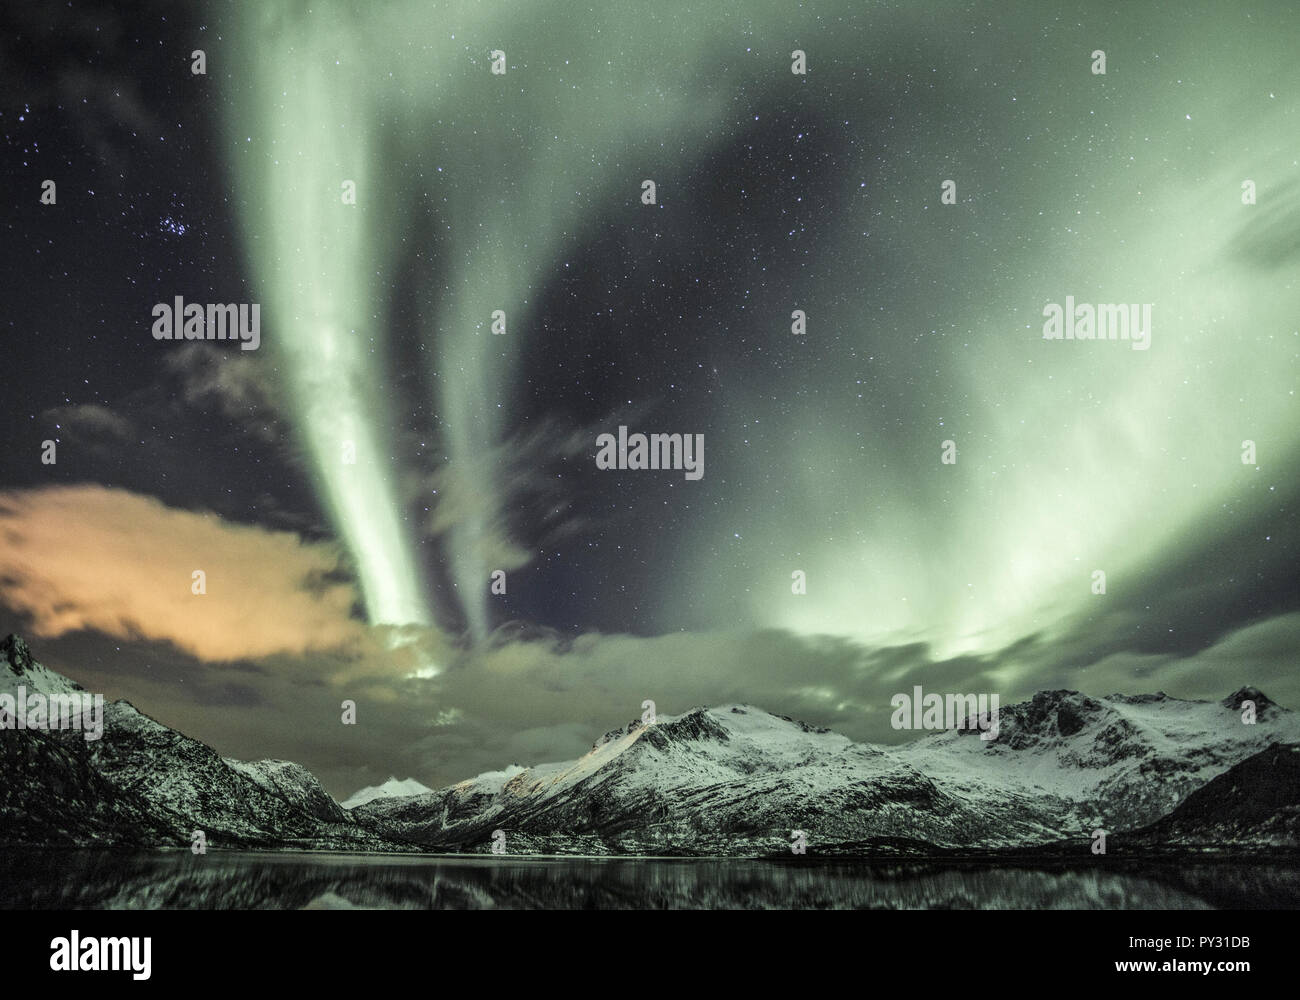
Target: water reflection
(179, 880)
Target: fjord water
(32, 879)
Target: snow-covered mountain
(390, 789)
(1151, 770)
(1121, 761)
(1252, 804)
(144, 783)
(18, 668)
(738, 780)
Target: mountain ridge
(731, 780)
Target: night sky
(522, 192)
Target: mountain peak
(390, 789)
(18, 668)
(697, 724)
(616, 734)
(1064, 711)
(1247, 693)
(15, 650)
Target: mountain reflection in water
(180, 880)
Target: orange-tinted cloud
(89, 557)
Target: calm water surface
(180, 880)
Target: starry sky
(475, 452)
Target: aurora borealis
(316, 269)
(475, 451)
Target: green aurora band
(1072, 456)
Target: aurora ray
(314, 259)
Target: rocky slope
(142, 783)
(727, 781)
(1253, 805)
